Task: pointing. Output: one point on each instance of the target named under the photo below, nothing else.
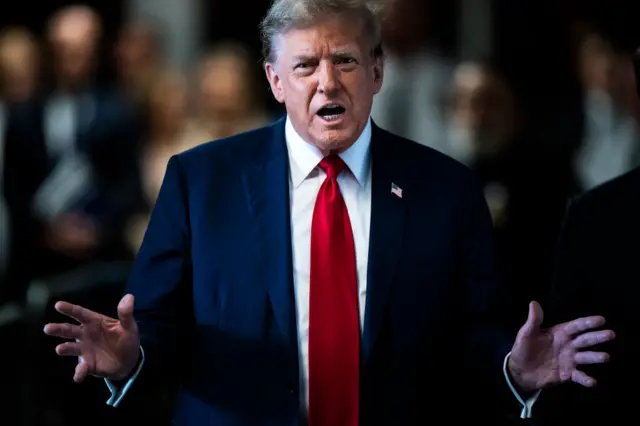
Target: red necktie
(334, 331)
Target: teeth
(331, 117)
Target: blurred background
(538, 97)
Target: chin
(335, 140)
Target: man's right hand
(105, 347)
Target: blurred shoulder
(616, 198)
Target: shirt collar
(304, 157)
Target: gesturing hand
(105, 347)
(545, 357)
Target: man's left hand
(545, 357)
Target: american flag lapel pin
(396, 190)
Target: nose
(328, 81)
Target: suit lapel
(388, 212)
(266, 184)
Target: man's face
(326, 77)
(484, 109)
(224, 85)
(73, 38)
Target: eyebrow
(338, 54)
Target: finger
(582, 379)
(534, 320)
(581, 325)
(125, 312)
(78, 313)
(593, 338)
(66, 331)
(68, 349)
(82, 370)
(589, 357)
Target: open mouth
(331, 112)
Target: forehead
(329, 35)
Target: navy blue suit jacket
(214, 288)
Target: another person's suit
(219, 285)
(598, 272)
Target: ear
(274, 81)
(378, 74)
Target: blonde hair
(285, 15)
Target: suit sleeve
(161, 282)
(486, 337)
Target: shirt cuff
(116, 393)
(527, 405)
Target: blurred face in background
(168, 102)
(225, 85)
(483, 115)
(136, 51)
(327, 77)
(597, 63)
(19, 65)
(605, 70)
(73, 35)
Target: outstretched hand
(105, 347)
(544, 357)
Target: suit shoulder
(610, 202)
(621, 189)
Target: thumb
(534, 320)
(125, 312)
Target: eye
(346, 61)
(305, 65)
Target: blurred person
(526, 185)
(484, 117)
(596, 271)
(410, 103)
(71, 156)
(139, 53)
(261, 300)
(172, 131)
(19, 64)
(229, 101)
(19, 70)
(611, 142)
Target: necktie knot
(332, 165)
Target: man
(71, 158)
(489, 133)
(597, 272)
(19, 70)
(320, 270)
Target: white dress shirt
(305, 179)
